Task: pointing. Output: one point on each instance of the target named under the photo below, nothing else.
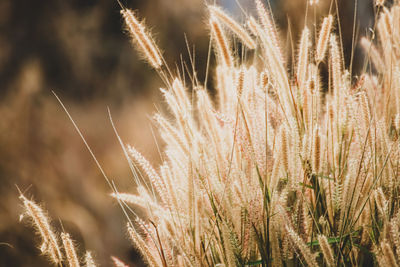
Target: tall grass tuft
(277, 169)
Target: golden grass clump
(281, 168)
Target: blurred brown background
(78, 49)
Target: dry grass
(277, 170)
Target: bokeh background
(78, 49)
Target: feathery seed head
(142, 246)
(142, 38)
(302, 64)
(267, 23)
(302, 247)
(70, 251)
(40, 220)
(323, 38)
(381, 201)
(317, 151)
(264, 81)
(233, 26)
(372, 52)
(326, 250)
(223, 48)
(240, 82)
(89, 261)
(388, 254)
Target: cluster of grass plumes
(277, 170)
(60, 253)
(59, 248)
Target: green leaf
(254, 263)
